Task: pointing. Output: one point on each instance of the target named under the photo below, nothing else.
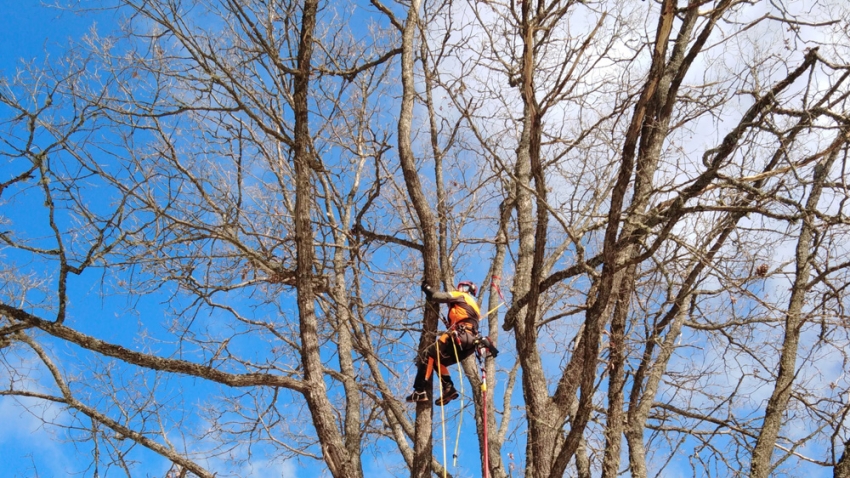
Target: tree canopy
(215, 217)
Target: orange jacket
(462, 307)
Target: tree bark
(335, 453)
(422, 440)
(794, 318)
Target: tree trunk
(422, 440)
(335, 453)
(794, 319)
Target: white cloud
(270, 468)
(29, 447)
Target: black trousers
(451, 348)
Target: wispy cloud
(270, 468)
(29, 448)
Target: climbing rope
(494, 283)
(442, 412)
(448, 336)
(484, 416)
(460, 420)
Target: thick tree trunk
(613, 254)
(543, 434)
(794, 320)
(842, 468)
(446, 272)
(422, 441)
(345, 343)
(615, 421)
(334, 451)
(495, 432)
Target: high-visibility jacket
(462, 308)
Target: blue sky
(34, 33)
(30, 33)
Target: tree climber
(457, 343)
